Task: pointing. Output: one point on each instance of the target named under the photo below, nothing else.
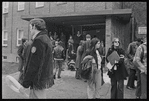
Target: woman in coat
(118, 73)
(94, 82)
(78, 60)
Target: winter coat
(38, 72)
(120, 73)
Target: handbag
(85, 73)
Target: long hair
(92, 50)
(112, 46)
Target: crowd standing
(44, 54)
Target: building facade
(105, 20)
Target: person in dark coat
(20, 54)
(118, 73)
(21, 58)
(78, 60)
(38, 73)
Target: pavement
(67, 87)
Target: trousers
(143, 86)
(58, 66)
(117, 88)
(138, 88)
(93, 89)
(37, 94)
(131, 79)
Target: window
(4, 38)
(21, 6)
(19, 36)
(59, 3)
(39, 4)
(142, 30)
(5, 7)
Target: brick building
(103, 19)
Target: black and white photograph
(74, 50)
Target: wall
(139, 10)
(122, 30)
(89, 6)
(61, 8)
(12, 20)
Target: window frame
(38, 6)
(19, 39)
(5, 6)
(61, 3)
(4, 39)
(21, 4)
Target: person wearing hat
(38, 72)
(118, 73)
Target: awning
(77, 18)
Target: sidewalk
(65, 88)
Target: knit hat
(40, 23)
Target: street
(66, 87)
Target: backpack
(86, 65)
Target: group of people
(136, 57)
(136, 63)
(40, 60)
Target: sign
(142, 30)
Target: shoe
(130, 88)
(85, 81)
(54, 77)
(58, 77)
(134, 87)
(137, 97)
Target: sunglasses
(116, 41)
